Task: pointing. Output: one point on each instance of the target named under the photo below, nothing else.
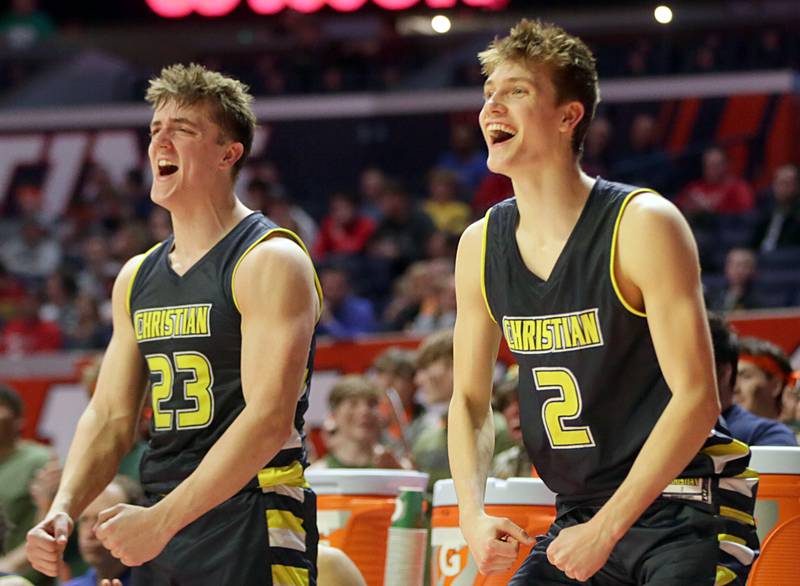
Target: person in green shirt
(20, 460)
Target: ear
(233, 152)
(571, 113)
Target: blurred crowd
(384, 254)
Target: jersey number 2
(568, 405)
(196, 389)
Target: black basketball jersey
(590, 386)
(189, 332)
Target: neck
(353, 453)
(201, 224)
(551, 197)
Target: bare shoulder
(276, 266)
(649, 211)
(471, 241)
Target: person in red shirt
(27, 333)
(344, 230)
(719, 191)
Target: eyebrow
(511, 80)
(178, 120)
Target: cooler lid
(514, 491)
(775, 459)
(374, 481)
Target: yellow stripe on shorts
(278, 519)
(740, 516)
(289, 576)
(724, 576)
(291, 475)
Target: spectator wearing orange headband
(764, 373)
(742, 424)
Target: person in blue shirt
(743, 425)
(103, 566)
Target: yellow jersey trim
(133, 276)
(740, 516)
(291, 475)
(614, 283)
(731, 538)
(733, 448)
(724, 576)
(483, 263)
(289, 575)
(288, 234)
(280, 519)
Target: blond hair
(570, 62)
(352, 386)
(438, 345)
(228, 98)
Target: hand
(46, 542)
(134, 535)
(494, 542)
(581, 550)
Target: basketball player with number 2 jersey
(595, 287)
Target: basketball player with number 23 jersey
(219, 319)
(595, 287)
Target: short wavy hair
(230, 101)
(571, 63)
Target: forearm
(470, 447)
(675, 440)
(99, 444)
(15, 561)
(227, 467)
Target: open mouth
(500, 133)
(166, 168)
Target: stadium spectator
(596, 158)
(19, 461)
(738, 293)
(24, 25)
(27, 332)
(779, 219)
(59, 307)
(32, 254)
(371, 185)
(409, 291)
(719, 191)
(466, 158)
(764, 373)
(355, 440)
(6, 578)
(270, 197)
(439, 312)
(442, 205)
(89, 332)
(644, 162)
(394, 372)
(12, 293)
(493, 189)
(344, 314)
(743, 425)
(102, 563)
(513, 462)
(159, 225)
(344, 231)
(99, 269)
(435, 382)
(399, 239)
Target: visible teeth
(165, 163)
(497, 127)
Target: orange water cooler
(778, 486)
(526, 501)
(354, 510)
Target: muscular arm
(106, 429)
(104, 434)
(279, 305)
(664, 278)
(470, 431)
